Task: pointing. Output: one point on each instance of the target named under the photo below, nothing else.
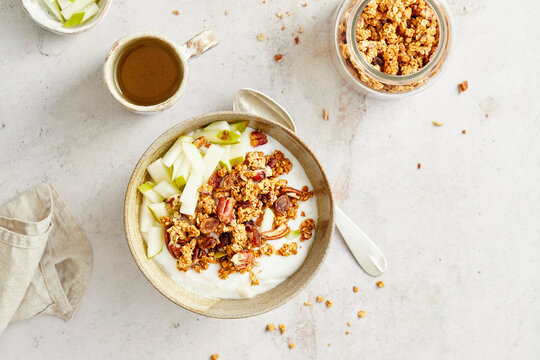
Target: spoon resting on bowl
(366, 253)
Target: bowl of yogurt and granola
(228, 215)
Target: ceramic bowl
(224, 308)
(39, 13)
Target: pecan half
(174, 249)
(282, 204)
(226, 209)
(199, 142)
(214, 179)
(291, 192)
(253, 235)
(243, 259)
(208, 242)
(258, 138)
(208, 225)
(196, 253)
(276, 233)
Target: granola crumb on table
(282, 328)
(320, 298)
(214, 356)
(355, 288)
(362, 314)
(463, 86)
(380, 284)
(291, 345)
(270, 327)
(329, 303)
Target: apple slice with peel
(238, 151)
(158, 210)
(147, 189)
(75, 7)
(239, 127)
(267, 221)
(155, 241)
(89, 11)
(181, 170)
(146, 219)
(172, 154)
(158, 171)
(190, 195)
(166, 188)
(218, 125)
(64, 3)
(211, 160)
(193, 156)
(54, 8)
(224, 161)
(293, 234)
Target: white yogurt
(272, 270)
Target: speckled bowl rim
(103, 10)
(171, 134)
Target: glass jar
(364, 77)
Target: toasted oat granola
(224, 228)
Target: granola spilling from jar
(396, 37)
(229, 208)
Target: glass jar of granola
(392, 48)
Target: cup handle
(199, 44)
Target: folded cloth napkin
(45, 257)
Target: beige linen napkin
(45, 257)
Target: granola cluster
(397, 37)
(224, 228)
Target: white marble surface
(462, 235)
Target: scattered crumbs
(278, 58)
(304, 4)
(301, 30)
(463, 131)
(346, 333)
(380, 284)
(440, 259)
(463, 86)
(487, 115)
(296, 40)
(349, 324)
(176, 12)
(355, 288)
(325, 114)
(279, 15)
(293, 34)
(270, 327)
(419, 165)
(307, 303)
(264, 2)
(329, 303)
(282, 328)
(303, 214)
(478, 272)
(226, 12)
(291, 345)
(436, 123)
(214, 356)
(320, 298)
(283, 28)
(362, 314)
(329, 344)
(288, 13)
(261, 37)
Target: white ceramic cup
(195, 46)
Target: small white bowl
(41, 16)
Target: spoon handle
(368, 255)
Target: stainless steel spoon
(366, 253)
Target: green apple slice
(293, 234)
(158, 210)
(211, 160)
(218, 125)
(156, 240)
(90, 11)
(166, 189)
(181, 170)
(147, 189)
(224, 161)
(175, 151)
(54, 8)
(64, 3)
(238, 151)
(146, 219)
(221, 137)
(158, 171)
(190, 195)
(239, 127)
(267, 221)
(193, 156)
(75, 7)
